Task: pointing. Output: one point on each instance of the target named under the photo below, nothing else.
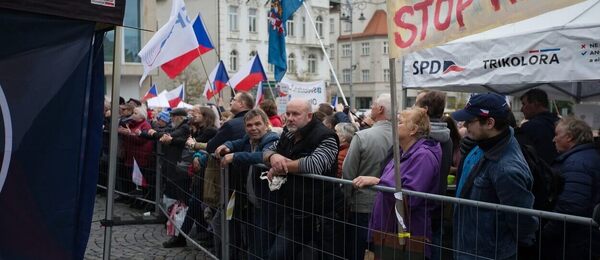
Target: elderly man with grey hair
(367, 149)
(579, 165)
(305, 146)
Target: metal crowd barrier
(229, 242)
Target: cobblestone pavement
(134, 241)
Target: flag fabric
(151, 93)
(175, 96)
(176, 44)
(334, 101)
(137, 176)
(281, 11)
(219, 79)
(204, 43)
(259, 95)
(249, 75)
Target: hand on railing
(279, 164)
(221, 150)
(364, 181)
(226, 160)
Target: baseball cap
(483, 105)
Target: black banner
(51, 102)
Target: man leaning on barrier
(493, 171)
(246, 152)
(305, 146)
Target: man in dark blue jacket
(246, 152)
(538, 131)
(579, 165)
(493, 171)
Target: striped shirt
(320, 160)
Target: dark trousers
(297, 232)
(261, 234)
(195, 210)
(357, 231)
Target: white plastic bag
(274, 184)
(176, 218)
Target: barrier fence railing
(285, 223)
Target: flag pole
(337, 82)
(270, 90)
(207, 76)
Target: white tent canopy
(558, 51)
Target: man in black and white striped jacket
(305, 146)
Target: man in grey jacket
(367, 149)
(435, 102)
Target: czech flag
(219, 78)
(176, 44)
(175, 96)
(151, 93)
(251, 74)
(137, 177)
(259, 95)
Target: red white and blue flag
(176, 44)
(176, 96)
(151, 93)
(137, 177)
(219, 78)
(249, 75)
(259, 95)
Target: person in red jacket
(270, 109)
(345, 132)
(134, 146)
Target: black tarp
(51, 100)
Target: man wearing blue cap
(493, 171)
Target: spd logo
(435, 67)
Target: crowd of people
(278, 212)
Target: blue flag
(281, 11)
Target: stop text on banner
(420, 24)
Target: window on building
(346, 74)
(319, 25)
(303, 26)
(331, 26)
(131, 37)
(331, 51)
(233, 60)
(252, 13)
(291, 60)
(363, 102)
(290, 27)
(451, 102)
(312, 63)
(385, 47)
(233, 18)
(251, 55)
(386, 75)
(348, 27)
(366, 75)
(365, 48)
(346, 50)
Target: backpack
(547, 183)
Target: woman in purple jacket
(420, 168)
